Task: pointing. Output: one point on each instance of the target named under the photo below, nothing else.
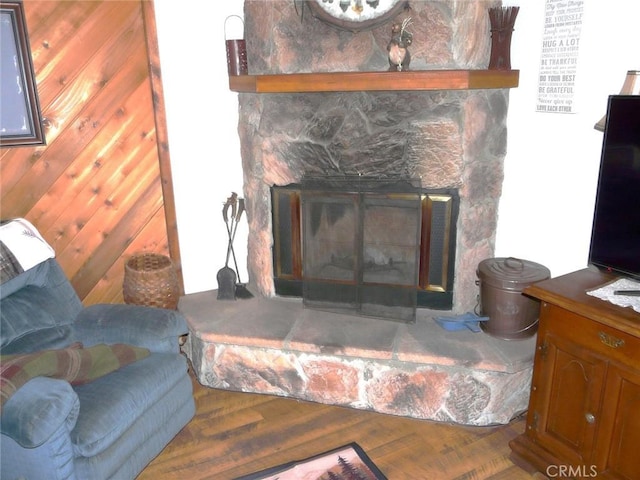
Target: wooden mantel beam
(413, 80)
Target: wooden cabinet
(584, 411)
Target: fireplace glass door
(360, 249)
(359, 245)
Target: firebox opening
(371, 247)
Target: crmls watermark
(570, 471)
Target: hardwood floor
(234, 434)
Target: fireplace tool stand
(228, 287)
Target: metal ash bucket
(512, 315)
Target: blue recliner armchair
(110, 427)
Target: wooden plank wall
(95, 191)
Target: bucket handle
(227, 19)
(519, 264)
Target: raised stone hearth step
(276, 346)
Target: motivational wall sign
(559, 59)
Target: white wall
(552, 160)
(202, 120)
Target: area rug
(348, 462)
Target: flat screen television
(615, 235)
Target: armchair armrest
(38, 409)
(157, 329)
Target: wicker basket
(150, 279)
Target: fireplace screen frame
(360, 244)
(439, 215)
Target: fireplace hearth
(275, 346)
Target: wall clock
(356, 15)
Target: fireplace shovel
(226, 283)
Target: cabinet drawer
(601, 339)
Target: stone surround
(275, 346)
(449, 139)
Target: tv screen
(615, 236)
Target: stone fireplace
(451, 139)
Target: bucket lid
(511, 272)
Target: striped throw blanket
(75, 364)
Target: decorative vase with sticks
(229, 285)
(502, 20)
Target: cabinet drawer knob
(590, 417)
(610, 340)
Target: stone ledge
(275, 346)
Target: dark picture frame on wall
(20, 115)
